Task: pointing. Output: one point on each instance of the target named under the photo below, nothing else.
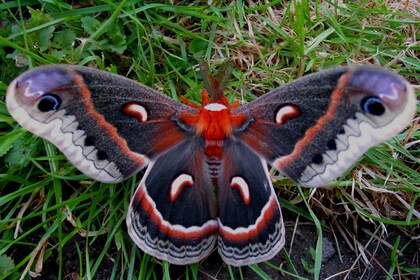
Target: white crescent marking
(240, 184)
(284, 113)
(178, 184)
(137, 109)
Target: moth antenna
(209, 82)
(215, 84)
(223, 75)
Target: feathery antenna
(215, 84)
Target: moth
(207, 182)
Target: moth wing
(172, 214)
(108, 126)
(315, 128)
(251, 228)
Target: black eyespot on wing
(89, 141)
(49, 102)
(372, 105)
(101, 155)
(331, 145)
(317, 159)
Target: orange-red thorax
(214, 122)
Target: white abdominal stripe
(61, 130)
(359, 136)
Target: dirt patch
(339, 257)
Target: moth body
(311, 130)
(213, 122)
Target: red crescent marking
(148, 207)
(312, 131)
(252, 233)
(110, 129)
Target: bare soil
(338, 258)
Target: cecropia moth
(207, 182)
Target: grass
(53, 220)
